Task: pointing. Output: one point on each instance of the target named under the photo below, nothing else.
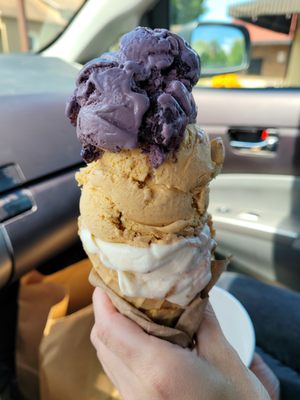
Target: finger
(117, 371)
(211, 342)
(266, 376)
(93, 337)
(119, 334)
(102, 304)
(97, 344)
(110, 362)
(210, 330)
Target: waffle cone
(161, 311)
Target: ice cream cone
(145, 191)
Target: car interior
(254, 202)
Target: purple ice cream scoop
(138, 97)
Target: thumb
(210, 328)
(211, 342)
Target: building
(269, 51)
(45, 20)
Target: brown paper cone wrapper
(161, 311)
(159, 318)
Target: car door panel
(50, 226)
(225, 107)
(255, 201)
(258, 224)
(284, 161)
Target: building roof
(257, 8)
(262, 36)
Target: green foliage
(184, 11)
(236, 54)
(213, 55)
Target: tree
(211, 53)
(236, 55)
(184, 11)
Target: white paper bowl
(235, 323)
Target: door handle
(270, 143)
(253, 139)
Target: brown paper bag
(69, 368)
(35, 301)
(54, 356)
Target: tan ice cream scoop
(125, 200)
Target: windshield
(274, 30)
(31, 25)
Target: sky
(224, 38)
(217, 10)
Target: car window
(274, 31)
(31, 25)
